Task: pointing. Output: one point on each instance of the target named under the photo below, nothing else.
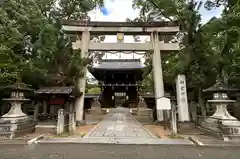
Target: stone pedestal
(142, 108)
(221, 121)
(237, 107)
(11, 128)
(15, 123)
(96, 107)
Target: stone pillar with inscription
(60, 122)
(36, 112)
(72, 120)
(182, 102)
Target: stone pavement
(119, 123)
(120, 127)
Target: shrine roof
(113, 64)
(61, 90)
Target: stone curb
(195, 141)
(114, 142)
(34, 140)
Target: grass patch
(158, 136)
(63, 135)
(83, 134)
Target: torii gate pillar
(157, 74)
(81, 82)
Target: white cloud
(120, 10)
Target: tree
(208, 51)
(194, 58)
(32, 45)
(225, 32)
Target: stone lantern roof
(18, 86)
(220, 87)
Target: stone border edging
(34, 140)
(195, 141)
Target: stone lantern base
(15, 127)
(15, 123)
(222, 123)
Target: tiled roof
(56, 90)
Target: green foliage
(95, 90)
(33, 48)
(209, 51)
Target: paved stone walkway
(120, 127)
(119, 123)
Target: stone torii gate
(157, 30)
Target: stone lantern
(15, 122)
(221, 122)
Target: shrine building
(120, 80)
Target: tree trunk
(225, 76)
(201, 102)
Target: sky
(120, 10)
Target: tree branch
(155, 5)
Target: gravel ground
(111, 151)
